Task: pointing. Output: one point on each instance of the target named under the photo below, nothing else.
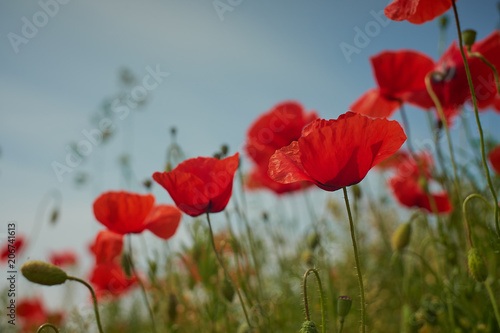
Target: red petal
(285, 165)
(258, 179)
(416, 11)
(200, 185)
(107, 246)
(123, 212)
(494, 157)
(373, 104)
(163, 221)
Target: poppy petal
(163, 221)
(373, 104)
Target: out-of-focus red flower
(12, 246)
(200, 185)
(124, 212)
(273, 130)
(32, 313)
(107, 246)
(494, 157)
(393, 161)
(416, 11)
(451, 85)
(109, 280)
(399, 74)
(410, 184)
(337, 153)
(63, 258)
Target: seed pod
(313, 240)
(343, 306)
(309, 327)
(469, 37)
(477, 266)
(401, 237)
(43, 273)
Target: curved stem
(356, 259)
(490, 65)
(439, 109)
(478, 121)
(493, 302)
(141, 284)
(464, 213)
(94, 298)
(226, 273)
(41, 328)
(306, 307)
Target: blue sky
(221, 75)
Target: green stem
(464, 211)
(94, 299)
(141, 285)
(490, 65)
(306, 307)
(439, 109)
(226, 273)
(478, 121)
(493, 302)
(41, 328)
(341, 325)
(356, 259)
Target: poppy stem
(141, 285)
(306, 307)
(493, 302)
(439, 109)
(226, 273)
(41, 328)
(478, 121)
(356, 259)
(94, 299)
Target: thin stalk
(141, 285)
(356, 259)
(439, 109)
(226, 273)
(306, 307)
(94, 299)
(478, 121)
(493, 302)
(464, 211)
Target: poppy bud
(54, 216)
(43, 273)
(307, 257)
(477, 266)
(443, 22)
(469, 37)
(227, 290)
(343, 306)
(422, 182)
(172, 307)
(313, 240)
(168, 167)
(224, 150)
(218, 156)
(147, 183)
(356, 190)
(309, 327)
(401, 237)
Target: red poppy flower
(410, 182)
(409, 192)
(273, 130)
(398, 74)
(16, 246)
(337, 153)
(32, 313)
(416, 11)
(200, 185)
(63, 258)
(109, 279)
(494, 157)
(107, 246)
(124, 212)
(451, 85)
